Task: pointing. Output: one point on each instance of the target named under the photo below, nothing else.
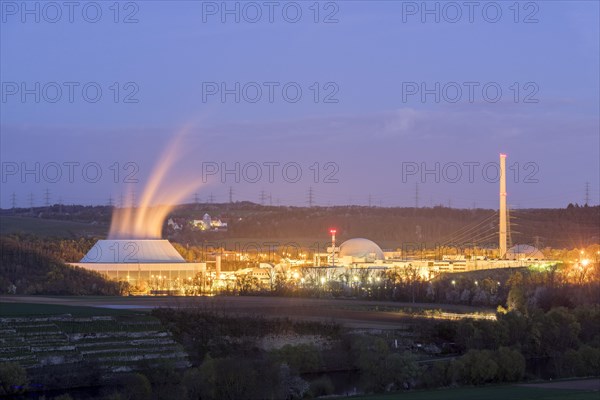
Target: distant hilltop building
(207, 223)
(171, 223)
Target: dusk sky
(362, 119)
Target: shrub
(13, 378)
(321, 387)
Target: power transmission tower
(47, 198)
(587, 193)
(311, 196)
(416, 194)
(110, 201)
(121, 201)
(231, 194)
(262, 197)
(370, 198)
(211, 198)
(133, 199)
(13, 200)
(31, 202)
(270, 198)
(60, 204)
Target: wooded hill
(34, 266)
(570, 227)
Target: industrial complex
(154, 266)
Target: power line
(477, 237)
(468, 231)
(508, 230)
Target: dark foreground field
(130, 314)
(351, 313)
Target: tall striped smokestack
(503, 220)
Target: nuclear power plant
(154, 265)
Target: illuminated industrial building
(154, 264)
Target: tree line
(559, 228)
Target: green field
(489, 393)
(50, 227)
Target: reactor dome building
(360, 248)
(524, 252)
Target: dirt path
(580, 384)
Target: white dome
(524, 252)
(361, 248)
(132, 251)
